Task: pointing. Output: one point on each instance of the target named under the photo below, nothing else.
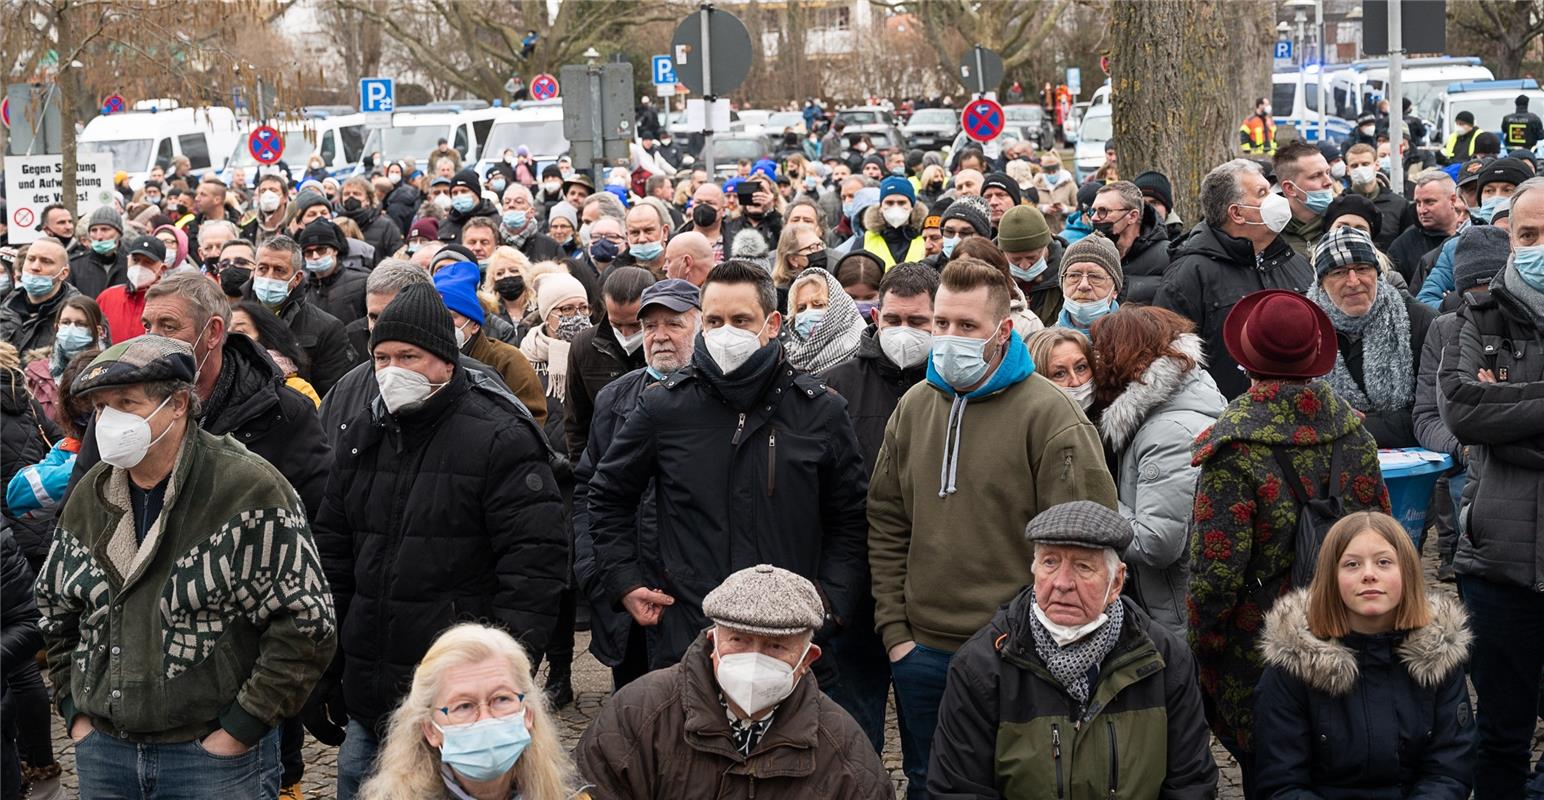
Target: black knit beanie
(418, 316)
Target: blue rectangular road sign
(1074, 80)
(1284, 49)
(377, 95)
(664, 71)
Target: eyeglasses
(1102, 214)
(573, 309)
(610, 237)
(1362, 271)
(245, 263)
(960, 232)
(810, 250)
(465, 712)
(1096, 279)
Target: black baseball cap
(148, 246)
(672, 293)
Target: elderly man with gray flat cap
(1073, 690)
(740, 715)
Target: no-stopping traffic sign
(983, 120)
(544, 87)
(266, 144)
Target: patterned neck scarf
(747, 733)
(1071, 665)
(1388, 369)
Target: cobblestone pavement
(592, 683)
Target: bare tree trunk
(1173, 79)
(67, 82)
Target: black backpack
(1314, 517)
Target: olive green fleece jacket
(942, 565)
(222, 618)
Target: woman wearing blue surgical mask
(78, 326)
(1090, 277)
(826, 327)
(474, 724)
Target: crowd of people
(1081, 485)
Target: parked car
(785, 120)
(862, 116)
(729, 148)
(1036, 124)
(1095, 129)
(932, 128)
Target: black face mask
(1106, 228)
(703, 216)
(232, 279)
(510, 287)
(352, 205)
(817, 260)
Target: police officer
(1521, 128)
(1460, 143)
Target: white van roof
(142, 124)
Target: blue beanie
(895, 184)
(457, 285)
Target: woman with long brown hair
(1363, 693)
(1151, 383)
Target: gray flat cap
(1080, 523)
(766, 600)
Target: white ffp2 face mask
(905, 346)
(629, 343)
(896, 216)
(1082, 395)
(123, 439)
(756, 682)
(731, 347)
(403, 389)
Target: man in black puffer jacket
(441, 507)
(754, 463)
(1232, 253)
(892, 357)
(466, 201)
(26, 434)
(20, 640)
(1139, 235)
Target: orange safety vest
(1258, 135)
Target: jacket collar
(1159, 382)
(1429, 654)
(120, 550)
(1279, 413)
(787, 749)
(1134, 657)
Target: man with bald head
(967, 183)
(689, 257)
(520, 228)
(28, 312)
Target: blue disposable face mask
(960, 360)
(646, 251)
(71, 339)
(847, 208)
(1486, 210)
(498, 186)
(1530, 265)
(486, 749)
(270, 291)
(463, 203)
(320, 264)
(950, 242)
(104, 247)
(37, 285)
(1028, 275)
(1318, 200)
(514, 220)
(1084, 314)
(807, 320)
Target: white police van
(156, 131)
(1488, 101)
(1295, 102)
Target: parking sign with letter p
(377, 95)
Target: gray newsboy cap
(1080, 523)
(765, 600)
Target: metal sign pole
(1318, 28)
(1396, 100)
(708, 98)
(980, 75)
(597, 127)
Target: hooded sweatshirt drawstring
(951, 466)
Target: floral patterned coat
(1241, 548)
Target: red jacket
(123, 310)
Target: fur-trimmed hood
(874, 217)
(1429, 654)
(1165, 381)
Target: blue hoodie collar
(1015, 367)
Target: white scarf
(550, 357)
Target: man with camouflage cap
(184, 606)
(740, 715)
(1073, 690)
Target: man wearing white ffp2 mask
(745, 682)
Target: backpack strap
(1289, 475)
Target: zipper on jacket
(771, 462)
(1109, 725)
(1056, 755)
(738, 429)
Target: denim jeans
(1508, 652)
(919, 687)
(113, 769)
(356, 759)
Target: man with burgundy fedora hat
(1245, 517)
